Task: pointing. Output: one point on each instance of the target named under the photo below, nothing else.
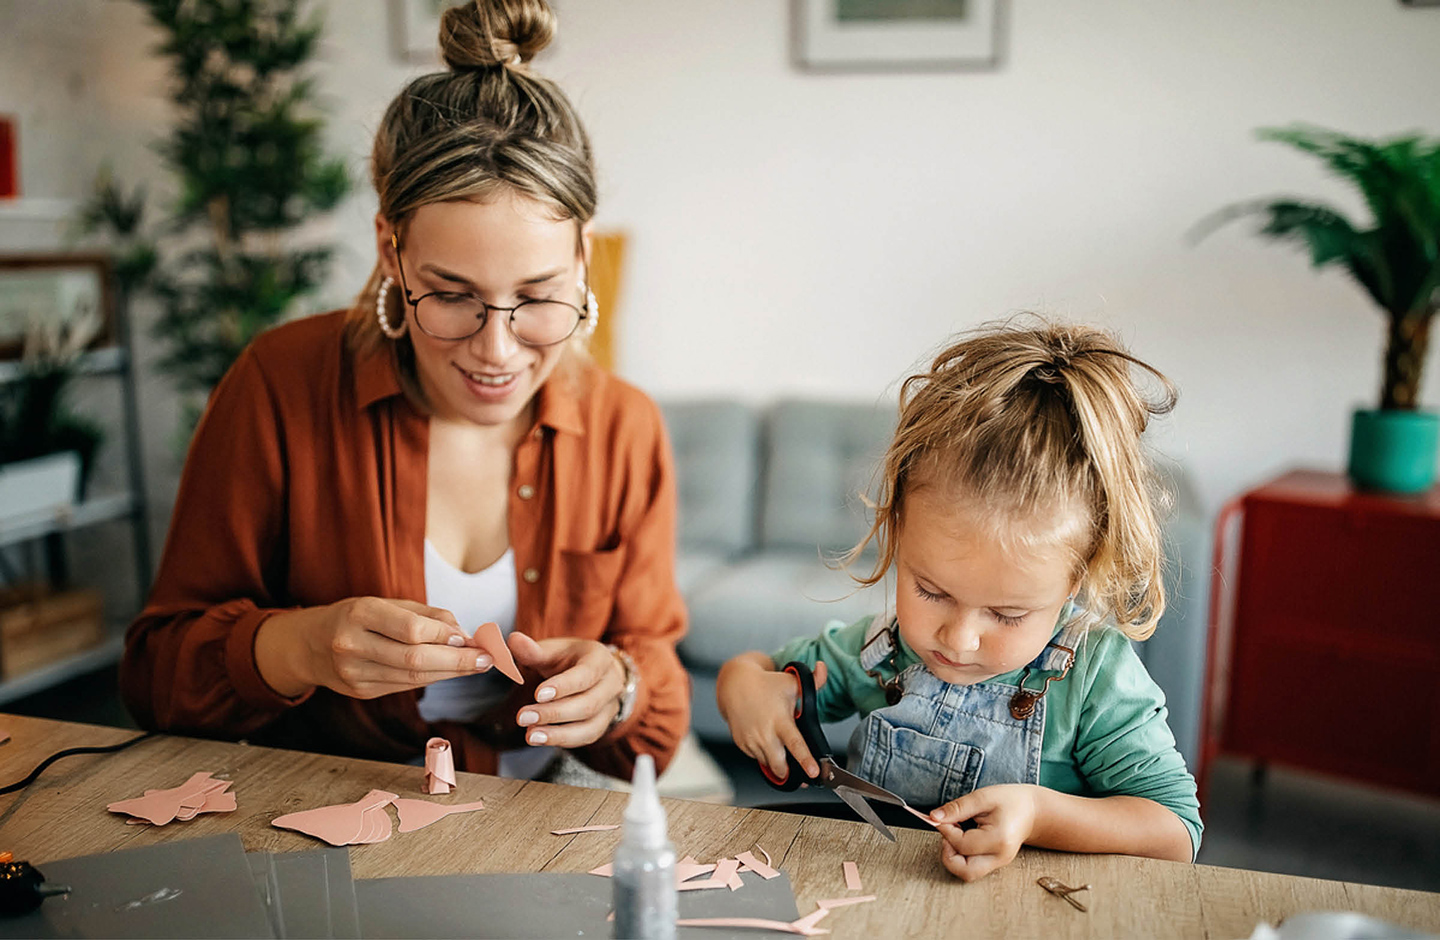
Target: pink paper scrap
(752, 923)
(439, 767)
(852, 876)
(761, 849)
(199, 794)
(572, 831)
(363, 821)
(489, 638)
(748, 862)
(417, 814)
(830, 903)
(925, 816)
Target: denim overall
(940, 741)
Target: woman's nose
(494, 344)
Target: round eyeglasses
(457, 315)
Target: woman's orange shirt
(305, 485)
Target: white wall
(802, 233)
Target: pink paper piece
(439, 767)
(489, 638)
(605, 871)
(852, 876)
(925, 816)
(727, 872)
(806, 924)
(748, 862)
(831, 903)
(365, 820)
(417, 814)
(688, 868)
(570, 832)
(200, 794)
(752, 923)
(761, 849)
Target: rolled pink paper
(439, 767)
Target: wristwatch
(632, 684)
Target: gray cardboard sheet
(544, 905)
(187, 888)
(308, 894)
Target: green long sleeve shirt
(1105, 730)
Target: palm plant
(1396, 258)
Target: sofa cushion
(762, 601)
(716, 446)
(819, 458)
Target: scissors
(850, 788)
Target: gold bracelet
(632, 684)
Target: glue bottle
(644, 869)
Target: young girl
(1016, 509)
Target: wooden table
(63, 814)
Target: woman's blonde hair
(488, 124)
(1038, 425)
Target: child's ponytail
(1039, 426)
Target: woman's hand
(758, 704)
(363, 647)
(1004, 818)
(580, 692)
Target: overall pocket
(924, 771)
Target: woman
(367, 487)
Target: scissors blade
(857, 802)
(835, 777)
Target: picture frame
(54, 288)
(415, 27)
(898, 35)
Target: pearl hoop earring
(381, 297)
(592, 311)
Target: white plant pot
(38, 487)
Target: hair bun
(487, 34)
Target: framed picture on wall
(897, 35)
(415, 25)
(51, 293)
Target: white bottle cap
(644, 816)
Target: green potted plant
(1396, 259)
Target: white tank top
(487, 596)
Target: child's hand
(759, 705)
(1004, 818)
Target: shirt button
(526, 491)
(531, 576)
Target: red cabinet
(1325, 632)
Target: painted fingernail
(528, 718)
(537, 737)
(482, 661)
(545, 694)
(456, 641)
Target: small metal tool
(1055, 887)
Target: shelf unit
(130, 504)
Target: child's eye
(927, 595)
(1007, 619)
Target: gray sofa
(769, 494)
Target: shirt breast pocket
(923, 770)
(584, 595)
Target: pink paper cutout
(489, 638)
(604, 871)
(806, 924)
(754, 923)
(727, 872)
(439, 767)
(748, 862)
(852, 876)
(761, 849)
(925, 816)
(569, 832)
(831, 903)
(344, 823)
(700, 885)
(688, 868)
(417, 814)
(199, 794)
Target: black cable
(71, 752)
